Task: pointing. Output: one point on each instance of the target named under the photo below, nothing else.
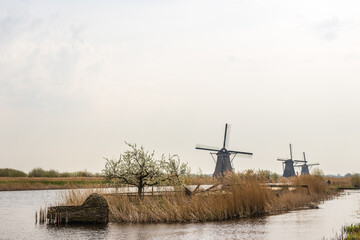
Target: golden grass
(243, 195)
(339, 182)
(317, 190)
(203, 179)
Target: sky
(79, 78)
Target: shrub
(355, 180)
(264, 174)
(84, 173)
(39, 172)
(317, 172)
(274, 177)
(352, 231)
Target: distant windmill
(288, 164)
(306, 167)
(223, 162)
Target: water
(17, 221)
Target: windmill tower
(306, 167)
(288, 164)
(223, 162)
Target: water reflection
(77, 231)
(17, 211)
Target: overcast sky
(78, 78)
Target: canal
(17, 221)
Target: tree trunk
(140, 189)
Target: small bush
(264, 174)
(274, 177)
(317, 172)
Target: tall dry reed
(241, 195)
(301, 197)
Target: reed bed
(201, 179)
(339, 182)
(242, 195)
(317, 190)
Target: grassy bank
(41, 183)
(349, 232)
(243, 196)
(352, 232)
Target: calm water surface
(17, 221)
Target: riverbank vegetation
(9, 182)
(40, 179)
(9, 172)
(41, 183)
(348, 232)
(240, 195)
(352, 232)
(39, 172)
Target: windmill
(306, 167)
(223, 162)
(288, 164)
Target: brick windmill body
(289, 164)
(223, 161)
(306, 167)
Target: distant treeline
(9, 172)
(39, 172)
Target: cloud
(331, 28)
(330, 36)
(329, 24)
(40, 60)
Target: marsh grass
(355, 180)
(318, 190)
(339, 182)
(352, 231)
(242, 195)
(200, 179)
(349, 232)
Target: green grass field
(33, 183)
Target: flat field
(40, 183)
